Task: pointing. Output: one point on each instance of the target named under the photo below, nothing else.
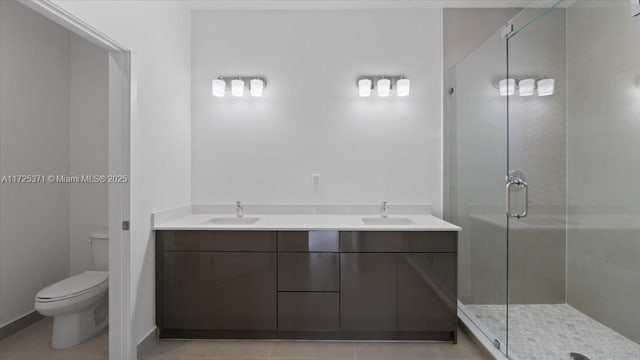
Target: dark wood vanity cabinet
(402, 282)
(218, 280)
(368, 300)
(307, 284)
(427, 296)
(308, 281)
(220, 290)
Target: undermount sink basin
(234, 220)
(387, 221)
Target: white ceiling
(357, 4)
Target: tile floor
(550, 332)
(290, 350)
(32, 343)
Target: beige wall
(88, 147)
(311, 119)
(603, 60)
(34, 139)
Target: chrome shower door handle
(525, 209)
(520, 184)
(507, 196)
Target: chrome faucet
(239, 209)
(384, 210)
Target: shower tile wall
(603, 269)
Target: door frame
(121, 346)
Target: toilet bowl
(79, 304)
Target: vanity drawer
(308, 272)
(239, 241)
(308, 241)
(398, 241)
(308, 311)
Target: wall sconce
(254, 84)
(526, 87)
(507, 87)
(404, 87)
(218, 87)
(237, 87)
(383, 85)
(546, 87)
(364, 87)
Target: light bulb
(237, 87)
(546, 87)
(507, 87)
(218, 87)
(364, 87)
(526, 87)
(404, 87)
(384, 87)
(257, 85)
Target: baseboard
(19, 324)
(147, 343)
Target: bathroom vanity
(293, 279)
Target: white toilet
(79, 304)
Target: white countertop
(351, 222)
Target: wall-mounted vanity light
(364, 87)
(526, 87)
(254, 84)
(507, 87)
(383, 85)
(546, 87)
(218, 87)
(237, 87)
(403, 87)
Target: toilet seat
(79, 285)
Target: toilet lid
(74, 286)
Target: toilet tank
(100, 249)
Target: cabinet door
(368, 292)
(220, 291)
(308, 311)
(427, 292)
(308, 272)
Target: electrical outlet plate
(315, 181)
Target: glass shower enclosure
(544, 139)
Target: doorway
(115, 142)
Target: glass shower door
(478, 153)
(537, 184)
(574, 244)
